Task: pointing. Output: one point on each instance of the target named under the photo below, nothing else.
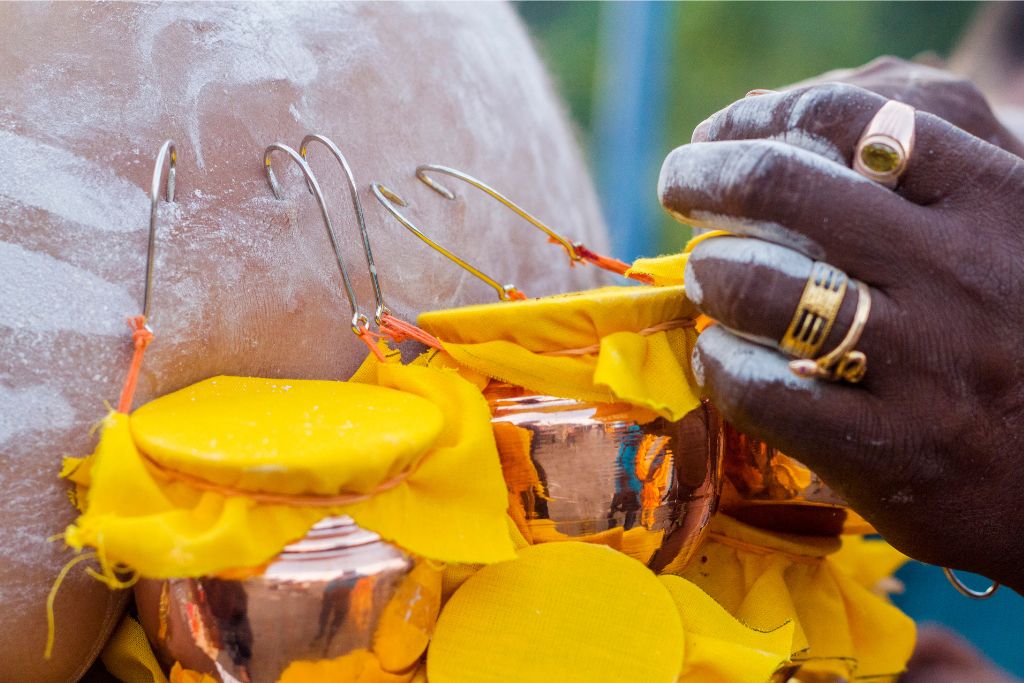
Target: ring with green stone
(885, 145)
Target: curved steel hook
(359, 321)
(388, 199)
(421, 173)
(378, 295)
(965, 590)
(169, 153)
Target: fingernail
(700, 133)
(759, 91)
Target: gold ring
(843, 362)
(885, 145)
(816, 312)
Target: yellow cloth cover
(767, 579)
(605, 345)
(583, 612)
(419, 446)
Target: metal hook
(359, 321)
(388, 199)
(382, 308)
(964, 589)
(421, 173)
(169, 152)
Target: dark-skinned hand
(928, 446)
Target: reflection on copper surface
(325, 596)
(607, 473)
(766, 488)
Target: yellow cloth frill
(663, 271)
(175, 489)
(617, 344)
(767, 579)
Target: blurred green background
(696, 58)
(717, 51)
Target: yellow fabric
(665, 271)
(767, 579)
(448, 503)
(292, 437)
(513, 342)
(359, 666)
(128, 657)
(562, 612)
(180, 674)
(720, 649)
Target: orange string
(516, 295)
(294, 500)
(755, 549)
(399, 331)
(141, 337)
(612, 264)
(369, 338)
(646, 332)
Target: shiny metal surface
(607, 473)
(766, 488)
(324, 596)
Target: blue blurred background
(637, 77)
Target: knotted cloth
(177, 488)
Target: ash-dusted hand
(871, 320)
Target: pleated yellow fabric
(720, 649)
(417, 448)
(618, 344)
(768, 579)
(567, 612)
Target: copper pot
(607, 473)
(766, 488)
(338, 590)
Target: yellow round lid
(287, 436)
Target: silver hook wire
(388, 199)
(359, 321)
(965, 590)
(169, 153)
(421, 173)
(382, 308)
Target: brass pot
(338, 590)
(607, 473)
(766, 488)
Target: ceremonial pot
(765, 487)
(338, 591)
(607, 473)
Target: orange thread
(646, 332)
(516, 295)
(303, 500)
(612, 264)
(399, 331)
(141, 337)
(369, 338)
(762, 550)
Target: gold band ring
(885, 145)
(816, 312)
(843, 362)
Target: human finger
(755, 390)
(790, 196)
(754, 287)
(828, 119)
